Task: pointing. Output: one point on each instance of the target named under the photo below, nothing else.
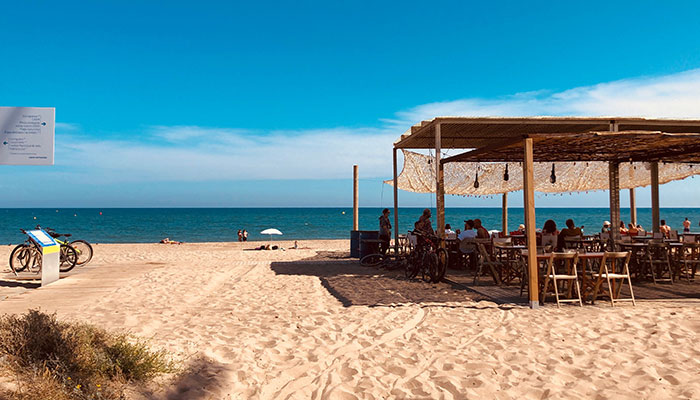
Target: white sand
(250, 324)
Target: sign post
(27, 135)
(27, 138)
(50, 255)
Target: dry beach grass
(309, 323)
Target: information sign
(27, 135)
(50, 255)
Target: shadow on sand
(355, 285)
(201, 378)
(22, 284)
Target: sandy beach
(310, 323)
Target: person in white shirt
(469, 232)
(448, 229)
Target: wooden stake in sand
(355, 199)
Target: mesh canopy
(418, 175)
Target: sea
(150, 225)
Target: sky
(247, 104)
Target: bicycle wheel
(19, 258)
(430, 266)
(412, 266)
(34, 259)
(372, 260)
(84, 250)
(443, 259)
(68, 258)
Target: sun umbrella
(271, 231)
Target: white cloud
(670, 96)
(193, 153)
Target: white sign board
(50, 256)
(27, 135)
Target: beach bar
(584, 147)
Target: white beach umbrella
(271, 231)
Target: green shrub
(59, 360)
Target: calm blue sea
(144, 225)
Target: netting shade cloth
(418, 175)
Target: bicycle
(427, 258)
(387, 261)
(82, 247)
(25, 256)
(28, 255)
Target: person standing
(245, 235)
(240, 236)
(384, 231)
(686, 225)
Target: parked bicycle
(82, 247)
(388, 261)
(28, 256)
(427, 259)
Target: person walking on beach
(384, 231)
(245, 235)
(240, 236)
(686, 225)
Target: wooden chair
(485, 259)
(657, 262)
(673, 235)
(550, 241)
(573, 242)
(568, 265)
(611, 262)
(689, 261)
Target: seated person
(632, 230)
(468, 232)
(550, 228)
(665, 229)
(606, 227)
(571, 229)
(481, 232)
(623, 230)
(448, 229)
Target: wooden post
(396, 206)
(504, 214)
(355, 199)
(614, 189)
(655, 216)
(439, 187)
(529, 203)
(633, 208)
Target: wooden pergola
(553, 139)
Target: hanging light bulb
(553, 177)
(476, 181)
(505, 175)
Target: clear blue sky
(270, 103)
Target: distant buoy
(56, 210)
(343, 212)
(75, 215)
(34, 217)
(100, 212)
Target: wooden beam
(529, 204)
(655, 215)
(396, 205)
(355, 199)
(484, 150)
(504, 214)
(439, 187)
(633, 208)
(614, 189)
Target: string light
(553, 177)
(505, 175)
(476, 181)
